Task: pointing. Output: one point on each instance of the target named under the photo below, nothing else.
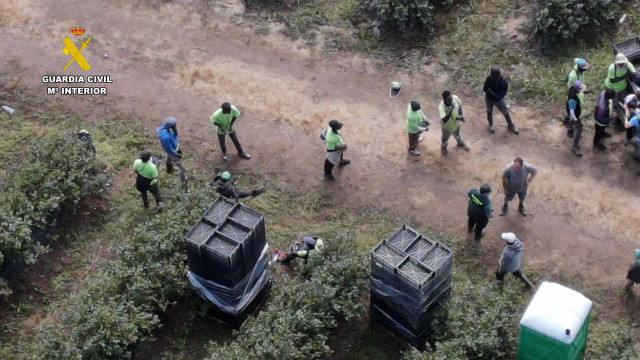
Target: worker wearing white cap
(617, 80)
(511, 260)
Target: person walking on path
(575, 103)
(603, 115)
(479, 211)
(335, 149)
(631, 132)
(511, 260)
(577, 73)
(224, 119)
(168, 134)
(495, 89)
(618, 74)
(450, 110)
(147, 179)
(417, 123)
(516, 180)
(633, 275)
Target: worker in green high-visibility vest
(479, 211)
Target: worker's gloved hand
(422, 129)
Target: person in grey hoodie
(511, 260)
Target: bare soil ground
(186, 58)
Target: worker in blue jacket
(168, 134)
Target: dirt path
(186, 58)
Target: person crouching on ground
(227, 188)
(301, 249)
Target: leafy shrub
(482, 323)
(611, 341)
(407, 15)
(56, 173)
(559, 20)
(118, 305)
(303, 310)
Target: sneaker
(225, 157)
(245, 155)
(160, 207)
(329, 177)
(627, 142)
(344, 162)
(414, 152)
(576, 151)
(606, 135)
(600, 147)
(491, 129)
(257, 191)
(522, 211)
(420, 139)
(481, 235)
(464, 146)
(444, 151)
(514, 129)
(504, 210)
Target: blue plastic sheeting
(234, 300)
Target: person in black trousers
(479, 211)
(603, 115)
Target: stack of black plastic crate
(228, 260)
(410, 278)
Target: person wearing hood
(479, 211)
(416, 124)
(224, 119)
(574, 106)
(227, 188)
(495, 88)
(168, 135)
(633, 275)
(511, 260)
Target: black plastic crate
(243, 236)
(403, 238)
(195, 239)
(439, 258)
(219, 211)
(253, 220)
(385, 260)
(630, 48)
(420, 247)
(414, 273)
(223, 260)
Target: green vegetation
(405, 15)
(559, 21)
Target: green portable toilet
(555, 324)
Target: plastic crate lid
(415, 272)
(420, 247)
(390, 256)
(246, 216)
(219, 244)
(234, 231)
(437, 256)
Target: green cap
(396, 85)
(226, 175)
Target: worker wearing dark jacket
(479, 211)
(633, 275)
(227, 188)
(168, 134)
(495, 89)
(603, 115)
(575, 102)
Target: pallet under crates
(410, 279)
